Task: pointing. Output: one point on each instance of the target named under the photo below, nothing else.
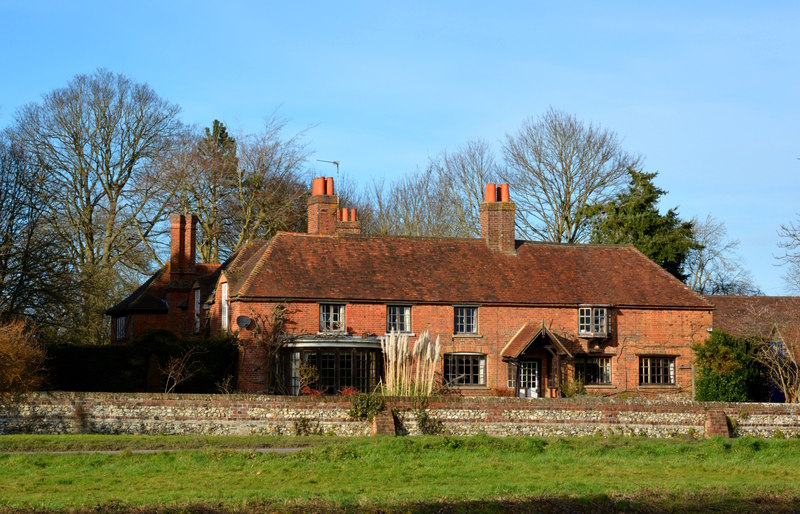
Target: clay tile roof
(431, 270)
(756, 315)
(150, 296)
(528, 333)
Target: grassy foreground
(418, 474)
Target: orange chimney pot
(504, 197)
(491, 193)
(318, 186)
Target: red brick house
(510, 314)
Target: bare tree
(557, 167)
(416, 205)
(180, 368)
(270, 193)
(713, 267)
(32, 273)
(463, 175)
(99, 141)
(240, 189)
(790, 243)
(205, 172)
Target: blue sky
(706, 92)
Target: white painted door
(529, 373)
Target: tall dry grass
(409, 371)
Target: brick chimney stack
(497, 218)
(348, 222)
(183, 241)
(322, 206)
(324, 215)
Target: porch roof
(529, 333)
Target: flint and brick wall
(111, 413)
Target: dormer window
(593, 322)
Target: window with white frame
(120, 328)
(593, 321)
(656, 370)
(593, 370)
(398, 318)
(465, 320)
(331, 317)
(224, 307)
(196, 311)
(465, 369)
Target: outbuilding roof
(757, 315)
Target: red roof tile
(757, 315)
(150, 296)
(429, 270)
(529, 333)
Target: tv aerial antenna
(335, 163)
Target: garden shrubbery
(728, 370)
(156, 361)
(21, 359)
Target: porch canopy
(528, 335)
(530, 340)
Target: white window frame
(463, 308)
(603, 364)
(593, 321)
(402, 312)
(332, 318)
(224, 306)
(652, 368)
(197, 311)
(453, 379)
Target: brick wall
(54, 413)
(635, 332)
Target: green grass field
(401, 474)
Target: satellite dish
(243, 321)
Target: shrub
(573, 387)
(348, 391)
(21, 360)
(502, 391)
(308, 391)
(426, 424)
(366, 406)
(138, 366)
(728, 371)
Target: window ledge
(594, 335)
(473, 336)
(659, 386)
(409, 334)
(600, 386)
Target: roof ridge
(363, 237)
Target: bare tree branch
(558, 166)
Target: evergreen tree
(632, 217)
(728, 370)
